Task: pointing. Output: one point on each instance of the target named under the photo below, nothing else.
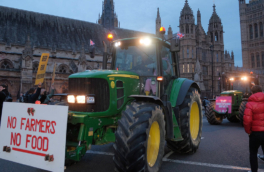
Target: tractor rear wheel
(191, 124)
(233, 119)
(242, 108)
(140, 138)
(211, 115)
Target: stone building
(25, 35)
(196, 45)
(252, 37)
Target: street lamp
(212, 52)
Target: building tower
(187, 25)
(199, 21)
(215, 29)
(158, 23)
(109, 18)
(244, 35)
(170, 33)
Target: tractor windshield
(140, 59)
(241, 86)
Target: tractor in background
(138, 105)
(238, 91)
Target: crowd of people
(33, 95)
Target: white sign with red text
(34, 135)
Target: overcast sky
(141, 14)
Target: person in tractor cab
(254, 124)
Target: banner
(223, 103)
(42, 68)
(34, 135)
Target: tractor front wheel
(140, 138)
(242, 108)
(211, 115)
(191, 124)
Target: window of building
(262, 59)
(205, 70)
(261, 29)
(251, 31)
(183, 68)
(256, 30)
(192, 53)
(6, 65)
(187, 28)
(188, 68)
(35, 67)
(216, 57)
(258, 60)
(192, 68)
(187, 52)
(252, 61)
(182, 53)
(216, 36)
(204, 56)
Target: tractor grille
(87, 86)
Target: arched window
(6, 64)
(35, 67)
(187, 28)
(261, 29)
(262, 56)
(258, 60)
(251, 31)
(256, 30)
(252, 61)
(63, 69)
(216, 36)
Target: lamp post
(212, 52)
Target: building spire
(158, 14)
(214, 7)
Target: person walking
(3, 94)
(254, 124)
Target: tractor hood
(231, 92)
(103, 74)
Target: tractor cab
(150, 59)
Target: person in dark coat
(254, 124)
(33, 94)
(3, 94)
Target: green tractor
(239, 90)
(139, 105)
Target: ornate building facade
(25, 35)
(195, 45)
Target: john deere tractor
(239, 90)
(138, 105)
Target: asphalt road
(223, 148)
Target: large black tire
(132, 138)
(233, 119)
(191, 142)
(242, 108)
(211, 116)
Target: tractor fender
(180, 89)
(167, 109)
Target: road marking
(165, 159)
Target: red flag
(91, 42)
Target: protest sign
(42, 68)
(223, 103)
(34, 135)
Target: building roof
(53, 32)
(215, 18)
(186, 9)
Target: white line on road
(165, 159)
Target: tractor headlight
(80, 99)
(90, 100)
(71, 99)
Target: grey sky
(141, 14)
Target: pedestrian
(254, 124)
(3, 94)
(205, 102)
(33, 94)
